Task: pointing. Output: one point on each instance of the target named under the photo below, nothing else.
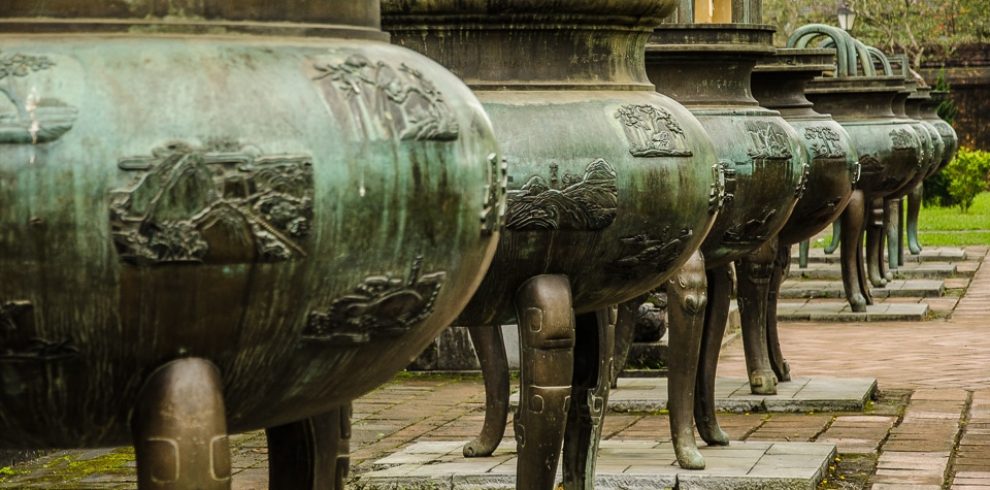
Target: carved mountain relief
(220, 204)
(389, 102)
(27, 117)
(652, 132)
(381, 306)
(571, 202)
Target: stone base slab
(931, 254)
(840, 311)
(898, 288)
(906, 271)
(622, 465)
(733, 395)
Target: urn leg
(753, 272)
(804, 249)
(853, 274)
(546, 344)
(892, 220)
(716, 315)
(312, 454)
(777, 362)
(913, 209)
(593, 365)
(874, 243)
(833, 245)
(490, 347)
(625, 334)
(900, 231)
(180, 429)
(687, 297)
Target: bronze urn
(221, 216)
(779, 83)
(611, 188)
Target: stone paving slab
(906, 271)
(839, 311)
(932, 254)
(898, 288)
(800, 395)
(622, 465)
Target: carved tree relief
(27, 117)
(652, 132)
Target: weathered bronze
(924, 106)
(779, 83)
(708, 69)
(221, 216)
(888, 148)
(612, 187)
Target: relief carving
(19, 342)
(26, 117)
(754, 230)
(824, 142)
(901, 139)
(223, 203)
(493, 214)
(390, 102)
(768, 140)
(381, 306)
(652, 132)
(584, 203)
(653, 253)
(869, 165)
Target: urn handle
(856, 169)
(724, 186)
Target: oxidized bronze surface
(264, 197)
(611, 188)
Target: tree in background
(918, 28)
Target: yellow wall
(712, 11)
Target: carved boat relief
(222, 203)
(388, 102)
(20, 342)
(653, 252)
(381, 306)
(27, 115)
(587, 202)
(652, 132)
(754, 230)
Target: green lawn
(949, 226)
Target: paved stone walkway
(929, 428)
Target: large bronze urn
(779, 83)
(708, 69)
(220, 216)
(888, 147)
(611, 189)
(922, 106)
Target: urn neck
(531, 44)
(780, 82)
(707, 65)
(850, 99)
(327, 18)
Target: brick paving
(929, 428)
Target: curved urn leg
(853, 275)
(312, 454)
(687, 297)
(625, 334)
(833, 245)
(716, 315)
(777, 362)
(892, 222)
(546, 344)
(180, 429)
(913, 209)
(490, 347)
(874, 243)
(593, 365)
(804, 249)
(754, 272)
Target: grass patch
(952, 219)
